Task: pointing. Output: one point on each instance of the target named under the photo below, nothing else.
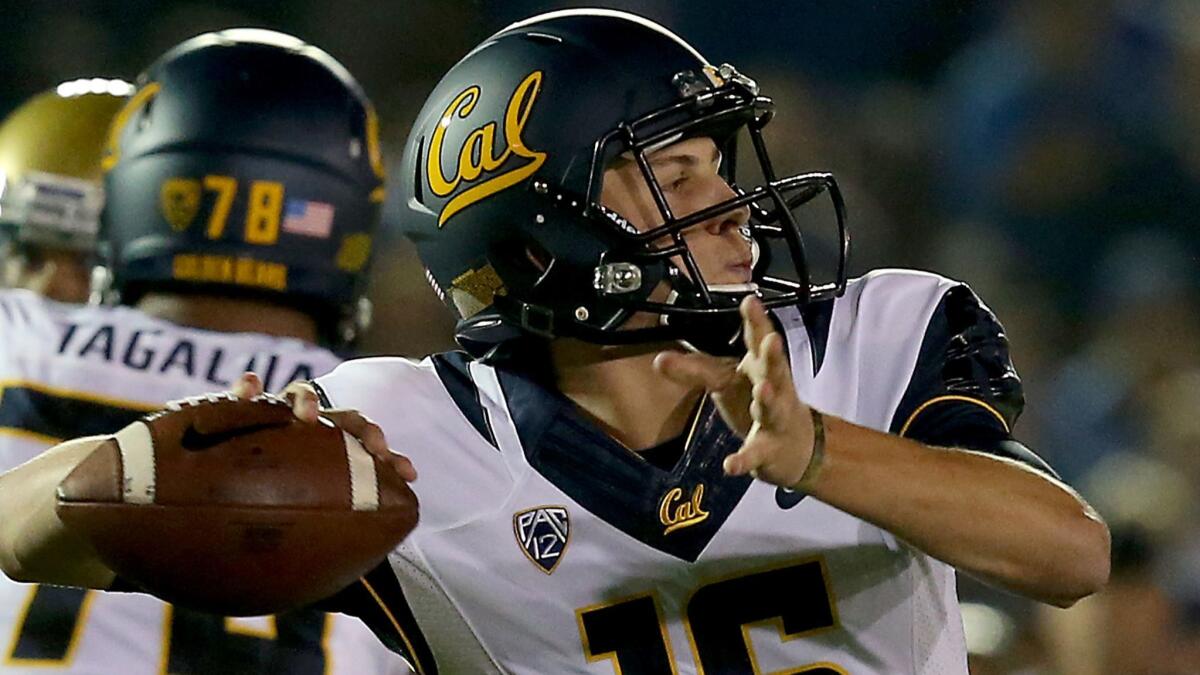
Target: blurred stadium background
(1047, 152)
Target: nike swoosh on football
(195, 440)
(786, 499)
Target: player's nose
(734, 219)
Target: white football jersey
(546, 547)
(69, 371)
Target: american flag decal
(310, 219)
(543, 533)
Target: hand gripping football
(236, 507)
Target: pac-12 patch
(543, 533)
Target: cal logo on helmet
(543, 533)
(480, 169)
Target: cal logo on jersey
(543, 533)
(676, 512)
(477, 159)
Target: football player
(669, 446)
(244, 182)
(50, 191)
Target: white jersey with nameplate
(547, 547)
(68, 371)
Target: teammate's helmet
(247, 163)
(502, 175)
(50, 178)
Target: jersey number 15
(632, 633)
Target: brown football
(236, 507)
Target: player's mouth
(742, 270)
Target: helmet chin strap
(719, 335)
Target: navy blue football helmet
(502, 174)
(247, 163)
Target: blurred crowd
(1046, 152)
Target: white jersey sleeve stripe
(504, 429)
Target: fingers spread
(359, 426)
(778, 370)
(756, 324)
(778, 373)
(760, 403)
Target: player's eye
(675, 184)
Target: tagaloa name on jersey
(147, 349)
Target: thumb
(697, 370)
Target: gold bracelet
(817, 459)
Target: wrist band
(818, 448)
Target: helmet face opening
(795, 228)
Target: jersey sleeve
(378, 601)
(964, 390)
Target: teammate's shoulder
(18, 305)
(26, 313)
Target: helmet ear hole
(538, 256)
(522, 264)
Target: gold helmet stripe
(112, 153)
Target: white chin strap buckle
(730, 289)
(724, 289)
